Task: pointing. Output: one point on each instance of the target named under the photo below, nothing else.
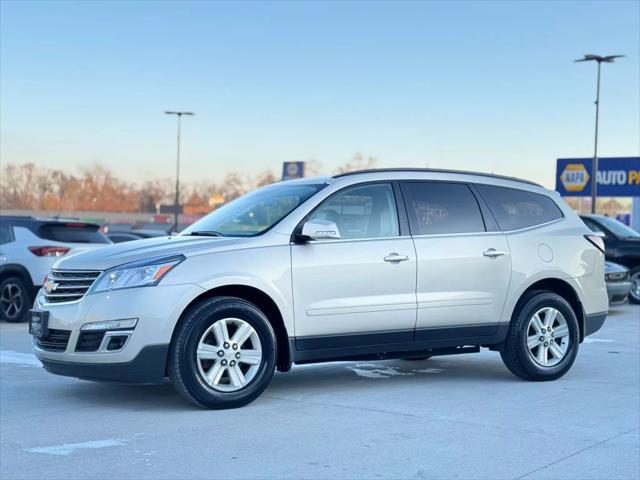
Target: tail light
(48, 251)
(596, 241)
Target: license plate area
(39, 323)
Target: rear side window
(442, 208)
(6, 233)
(72, 233)
(515, 209)
(593, 226)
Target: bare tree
(358, 162)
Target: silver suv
(373, 264)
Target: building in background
(292, 170)
(618, 186)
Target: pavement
(460, 416)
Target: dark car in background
(618, 282)
(134, 234)
(622, 246)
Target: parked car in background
(28, 249)
(622, 246)
(618, 282)
(117, 227)
(161, 226)
(364, 265)
(134, 234)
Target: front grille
(89, 341)
(55, 341)
(68, 285)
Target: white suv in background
(28, 249)
(366, 265)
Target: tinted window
(592, 225)
(516, 209)
(6, 233)
(618, 228)
(367, 211)
(441, 208)
(73, 233)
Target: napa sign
(617, 177)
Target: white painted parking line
(19, 358)
(597, 340)
(69, 448)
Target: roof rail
(17, 217)
(436, 170)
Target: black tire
(635, 276)
(9, 310)
(515, 353)
(416, 359)
(182, 363)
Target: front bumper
(149, 367)
(618, 291)
(144, 353)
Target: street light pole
(176, 205)
(594, 167)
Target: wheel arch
(261, 300)
(15, 269)
(560, 287)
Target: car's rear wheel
(543, 337)
(634, 293)
(223, 354)
(15, 299)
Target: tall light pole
(594, 167)
(177, 199)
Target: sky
(486, 86)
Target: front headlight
(138, 274)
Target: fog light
(117, 342)
(126, 324)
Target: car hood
(610, 267)
(121, 253)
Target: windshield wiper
(206, 233)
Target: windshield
(254, 213)
(619, 229)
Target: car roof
(436, 170)
(27, 220)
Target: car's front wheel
(634, 293)
(543, 337)
(223, 354)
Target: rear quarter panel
(557, 250)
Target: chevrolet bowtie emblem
(50, 286)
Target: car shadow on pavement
(343, 377)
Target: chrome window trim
(499, 232)
(350, 240)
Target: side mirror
(320, 230)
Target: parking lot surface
(446, 417)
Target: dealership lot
(447, 417)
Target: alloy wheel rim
(635, 286)
(229, 355)
(11, 300)
(548, 338)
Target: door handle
(493, 253)
(395, 258)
